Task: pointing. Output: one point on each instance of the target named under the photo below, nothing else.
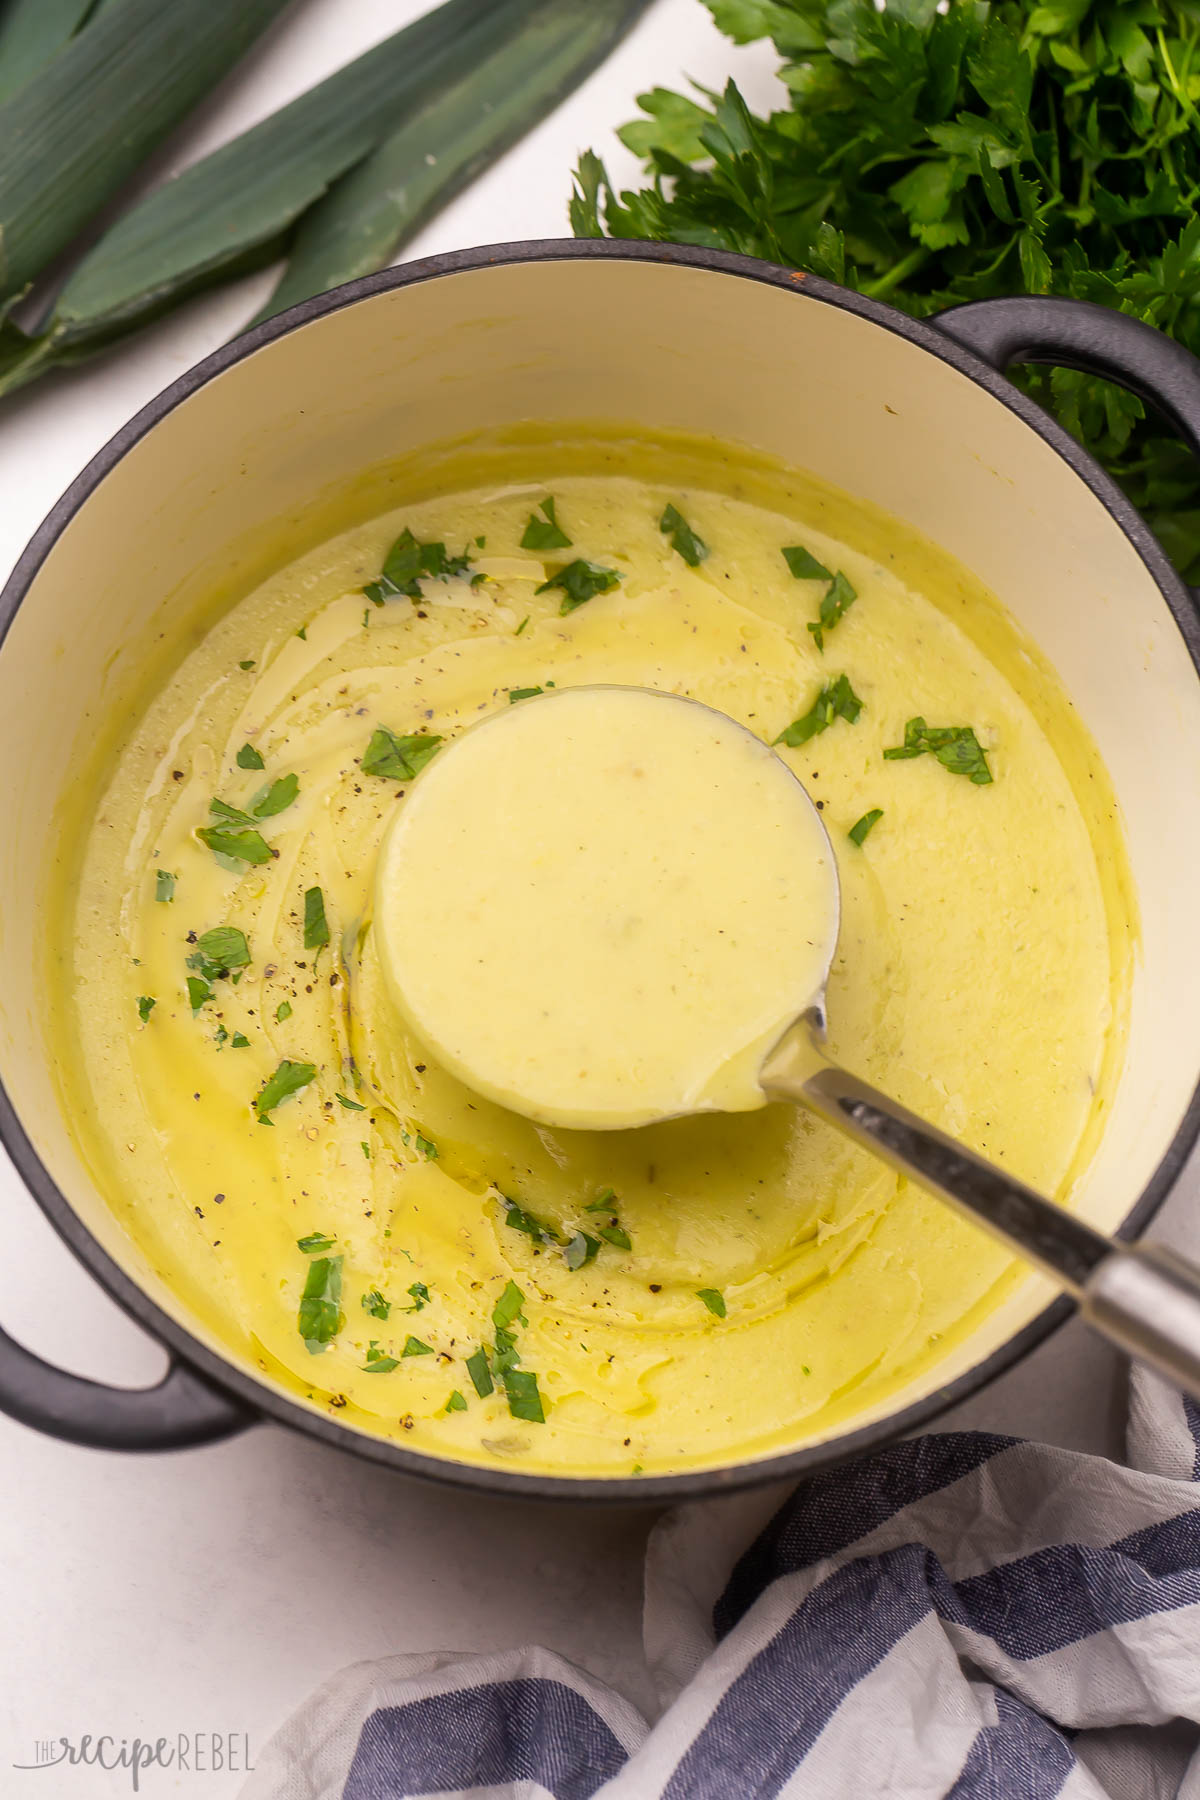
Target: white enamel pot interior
(892, 411)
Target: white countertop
(209, 1591)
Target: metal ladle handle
(1140, 1296)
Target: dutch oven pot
(916, 417)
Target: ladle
(507, 775)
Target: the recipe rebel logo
(186, 1753)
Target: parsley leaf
(249, 758)
(580, 1250)
(518, 1219)
(455, 1403)
(955, 746)
(239, 845)
(834, 606)
(515, 694)
(545, 533)
(275, 798)
(836, 700)
(145, 1005)
(219, 952)
(414, 1347)
(524, 1400)
(377, 1363)
(283, 1011)
(350, 1105)
(580, 581)
(164, 885)
(398, 758)
(320, 1317)
(198, 992)
(480, 1372)
(316, 930)
(508, 1307)
(427, 1147)
(408, 562)
(858, 831)
(692, 548)
(288, 1079)
(616, 1234)
(713, 1299)
(804, 565)
(239, 1041)
(375, 1304)
(420, 1297)
(316, 1240)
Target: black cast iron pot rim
(260, 1398)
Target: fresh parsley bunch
(931, 156)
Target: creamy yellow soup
(352, 1221)
(605, 907)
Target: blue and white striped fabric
(965, 1615)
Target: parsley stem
(898, 273)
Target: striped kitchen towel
(961, 1615)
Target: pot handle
(183, 1409)
(1077, 334)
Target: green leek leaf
(91, 114)
(363, 221)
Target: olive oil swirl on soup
(348, 1218)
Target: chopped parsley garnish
(164, 885)
(455, 1403)
(248, 663)
(515, 694)
(529, 1223)
(603, 1202)
(714, 1299)
(219, 952)
(545, 533)
(616, 1234)
(480, 1372)
(508, 1307)
(320, 1317)
(580, 581)
(836, 700)
(375, 1304)
(408, 563)
(239, 1041)
(859, 830)
(249, 758)
(288, 1079)
(693, 549)
(398, 758)
(314, 1242)
(303, 633)
(955, 746)
(804, 565)
(413, 1346)
(580, 1250)
(420, 1297)
(427, 1147)
(377, 1363)
(506, 1356)
(198, 992)
(365, 1148)
(283, 1011)
(834, 607)
(276, 797)
(316, 930)
(145, 1005)
(522, 625)
(350, 1105)
(524, 1400)
(234, 835)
